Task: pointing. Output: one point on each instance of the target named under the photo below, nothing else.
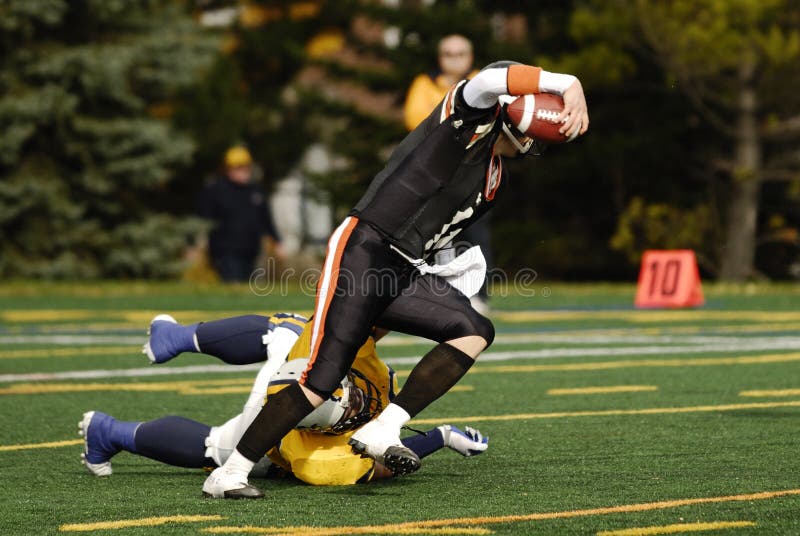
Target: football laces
(547, 115)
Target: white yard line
(72, 340)
(406, 340)
(125, 373)
(743, 345)
(578, 339)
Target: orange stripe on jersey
(327, 285)
(447, 104)
(450, 97)
(523, 79)
(494, 176)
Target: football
(535, 116)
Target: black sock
(279, 415)
(236, 340)
(438, 371)
(175, 441)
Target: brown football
(535, 116)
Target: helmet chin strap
(505, 101)
(521, 148)
(345, 401)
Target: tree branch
(784, 160)
(724, 165)
(778, 131)
(695, 96)
(691, 87)
(780, 175)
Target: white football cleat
(222, 484)
(97, 469)
(381, 442)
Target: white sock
(239, 465)
(394, 415)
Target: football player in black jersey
(443, 176)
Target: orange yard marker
(669, 278)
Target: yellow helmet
(237, 156)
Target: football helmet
(355, 402)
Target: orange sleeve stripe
(448, 102)
(523, 79)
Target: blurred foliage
(661, 226)
(732, 62)
(83, 155)
(365, 137)
(562, 209)
(240, 99)
(114, 112)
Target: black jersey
(441, 178)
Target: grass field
(603, 419)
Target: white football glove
(469, 442)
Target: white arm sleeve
(279, 343)
(223, 439)
(482, 91)
(555, 82)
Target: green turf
(537, 463)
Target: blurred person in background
(426, 92)
(242, 218)
(428, 89)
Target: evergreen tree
(87, 145)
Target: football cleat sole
(247, 492)
(401, 460)
(398, 459)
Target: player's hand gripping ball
(536, 116)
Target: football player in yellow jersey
(316, 451)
